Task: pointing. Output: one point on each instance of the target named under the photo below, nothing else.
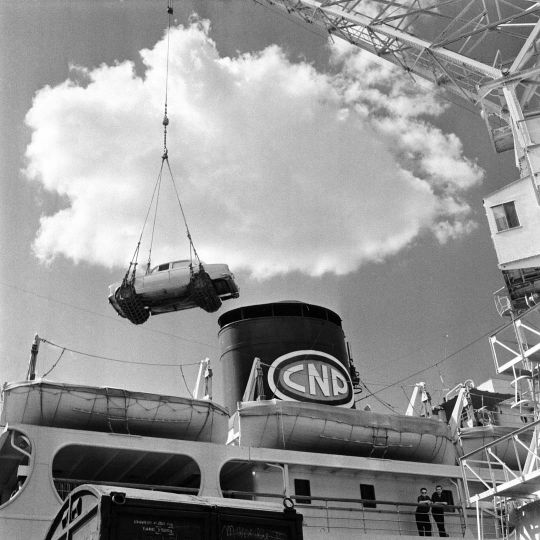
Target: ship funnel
(299, 353)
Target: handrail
(334, 516)
(399, 520)
(337, 499)
(511, 323)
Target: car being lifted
(173, 286)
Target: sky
(315, 172)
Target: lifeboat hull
(336, 430)
(113, 410)
(513, 455)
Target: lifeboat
(512, 455)
(336, 430)
(481, 417)
(113, 410)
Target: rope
(114, 319)
(165, 155)
(170, 12)
(386, 404)
(447, 357)
(185, 382)
(133, 264)
(113, 359)
(55, 364)
(130, 273)
(188, 233)
(158, 187)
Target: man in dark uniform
(437, 509)
(422, 513)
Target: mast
(31, 374)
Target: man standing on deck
(437, 509)
(422, 514)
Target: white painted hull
(113, 410)
(28, 514)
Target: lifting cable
(200, 289)
(165, 156)
(130, 274)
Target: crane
(486, 52)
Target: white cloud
(279, 167)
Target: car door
(180, 275)
(157, 282)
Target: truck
(97, 512)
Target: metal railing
(336, 515)
(502, 465)
(517, 342)
(377, 517)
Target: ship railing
(506, 467)
(340, 514)
(378, 517)
(517, 342)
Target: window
(77, 464)
(302, 487)
(505, 216)
(15, 454)
(221, 286)
(367, 492)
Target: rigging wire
(407, 397)
(90, 355)
(135, 256)
(112, 318)
(64, 349)
(185, 382)
(157, 186)
(382, 402)
(165, 155)
(55, 364)
(191, 244)
(455, 353)
(168, 334)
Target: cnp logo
(311, 376)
